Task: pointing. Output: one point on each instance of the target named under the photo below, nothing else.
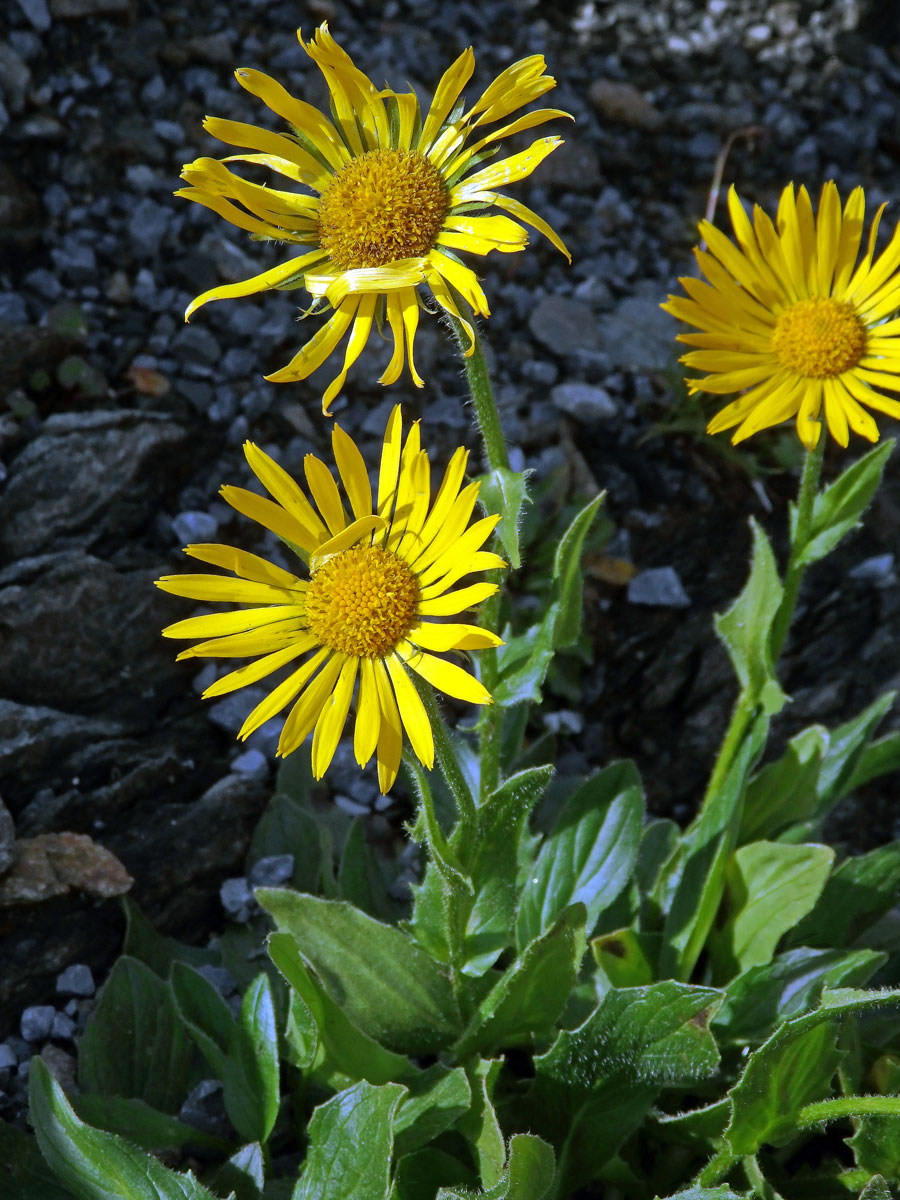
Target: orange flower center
(362, 601)
(383, 205)
(819, 338)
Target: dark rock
(37, 13)
(63, 1027)
(192, 526)
(72, 10)
(53, 863)
(623, 103)
(221, 979)
(253, 763)
(32, 737)
(87, 474)
(57, 648)
(9, 855)
(638, 334)
(237, 898)
(8, 1058)
(76, 980)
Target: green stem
(793, 576)
(847, 1106)
(761, 1186)
(481, 390)
(446, 757)
(716, 1169)
(479, 379)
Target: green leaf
(793, 1068)
(785, 791)
(243, 1175)
(838, 508)
(761, 998)
(135, 1044)
(525, 660)
(876, 1189)
(876, 1142)
(479, 1126)
(769, 888)
(722, 1192)
(627, 958)
(697, 1126)
(590, 854)
(251, 1076)
(531, 993)
(857, 894)
(24, 1173)
(360, 879)
(419, 1174)
(153, 949)
(386, 985)
(529, 1174)
(878, 758)
(301, 1033)
(567, 575)
(351, 1139)
(746, 627)
(97, 1165)
(344, 1054)
(436, 1099)
(141, 1124)
(846, 745)
(502, 819)
(504, 491)
(205, 1014)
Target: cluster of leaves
(578, 997)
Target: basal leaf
(351, 1139)
(876, 1141)
(769, 888)
(23, 1171)
(344, 1054)
(388, 987)
(135, 1044)
(590, 854)
(155, 950)
(746, 627)
(857, 894)
(626, 957)
(479, 1126)
(141, 1124)
(785, 791)
(205, 1014)
(96, 1165)
(243, 1175)
(761, 998)
(251, 1076)
(529, 1174)
(531, 993)
(436, 1099)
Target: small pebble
(252, 763)
(8, 1058)
(63, 1027)
(190, 527)
(236, 897)
(272, 871)
(76, 980)
(36, 1022)
(659, 586)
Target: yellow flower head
(378, 576)
(390, 198)
(790, 316)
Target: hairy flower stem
(446, 756)
(747, 707)
(482, 392)
(793, 576)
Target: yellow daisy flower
(790, 316)
(378, 576)
(393, 198)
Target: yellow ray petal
(455, 521)
(865, 395)
(461, 278)
(449, 678)
(389, 749)
(309, 705)
(223, 587)
(253, 642)
(282, 694)
(851, 236)
(444, 297)
(237, 133)
(446, 94)
(237, 216)
(332, 718)
(352, 469)
(325, 493)
(368, 714)
(396, 276)
(390, 464)
(253, 672)
(444, 637)
(284, 489)
(357, 531)
(221, 623)
(394, 311)
(362, 327)
(409, 312)
(522, 213)
(828, 239)
(270, 516)
(451, 603)
(412, 713)
(304, 117)
(274, 277)
(242, 562)
(507, 170)
(462, 549)
(311, 356)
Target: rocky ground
(118, 423)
